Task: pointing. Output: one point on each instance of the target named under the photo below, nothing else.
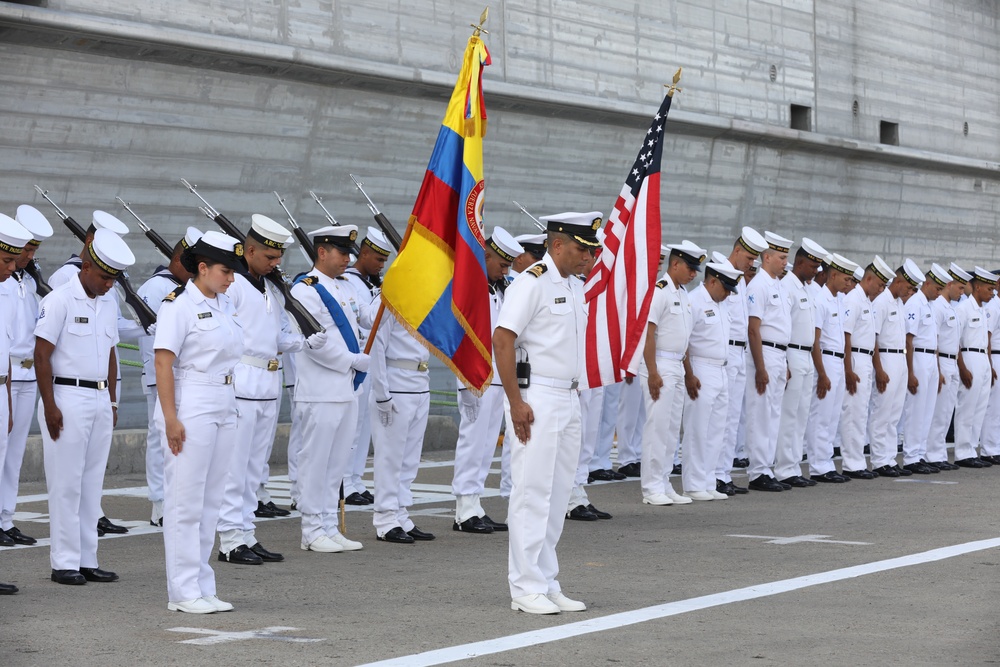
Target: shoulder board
(176, 293)
(341, 278)
(310, 280)
(538, 269)
(661, 284)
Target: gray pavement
(388, 602)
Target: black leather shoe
(677, 469)
(6, 540)
(995, 460)
(918, 468)
(969, 463)
(808, 481)
(241, 555)
(598, 513)
(944, 465)
(741, 463)
(858, 474)
(830, 478)
(368, 496)
(472, 525)
(265, 555)
(901, 471)
(98, 575)
(986, 464)
(784, 486)
(419, 535)
(495, 525)
(887, 471)
(581, 513)
(727, 488)
(263, 512)
(19, 537)
(356, 499)
(104, 524)
(797, 482)
(617, 476)
(7, 589)
(600, 476)
(631, 469)
(396, 535)
(277, 511)
(68, 577)
(765, 483)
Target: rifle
(537, 222)
(150, 233)
(333, 221)
(304, 240)
(146, 316)
(383, 222)
(41, 287)
(307, 323)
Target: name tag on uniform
(560, 299)
(203, 316)
(865, 311)
(81, 320)
(709, 313)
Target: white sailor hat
(582, 227)
(601, 236)
(341, 236)
(959, 274)
(721, 268)
(664, 251)
(775, 242)
(13, 236)
(756, 264)
(191, 237)
(881, 269)
(534, 244)
(751, 241)
(788, 267)
(503, 244)
(104, 220)
(268, 232)
(35, 222)
(844, 265)
(718, 257)
(984, 276)
(692, 254)
(912, 272)
(110, 252)
(939, 275)
(220, 247)
(377, 241)
(813, 250)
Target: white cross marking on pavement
(798, 539)
(221, 637)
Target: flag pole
(673, 86)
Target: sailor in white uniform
(989, 439)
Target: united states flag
(618, 290)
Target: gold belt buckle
(27, 363)
(422, 366)
(229, 379)
(102, 384)
(272, 364)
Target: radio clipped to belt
(523, 368)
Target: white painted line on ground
(798, 539)
(223, 637)
(610, 622)
(922, 481)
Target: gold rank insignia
(596, 224)
(538, 269)
(171, 296)
(238, 249)
(310, 280)
(661, 284)
(354, 234)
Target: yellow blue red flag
(437, 287)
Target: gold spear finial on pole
(479, 27)
(673, 86)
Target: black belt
(974, 349)
(86, 384)
(839, 355)
(776, 346)
(738, 343)
(804, 348)
(861, 350)
(995, 352)
(947, 356)
(924, 350)
(886, 350)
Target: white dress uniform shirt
(949, 332)
(128, 329)
(887, 406)
(919, 407)
(767, 301)
(824, 414)
(970, 410)
(859, 321)
(802, 381)
(670, 311)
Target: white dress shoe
(566, 604)
(196, 606)
(534, 604)
(699, 495)
(657, 499)
(718, 496)
(322, 544)
(219, 605)
(346, 544)
(676, 497)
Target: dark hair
(190, 261)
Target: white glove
(151, 331)
(317, 340)
(361, 362)
(469, 403)
(385, 411)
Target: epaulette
(310, 280)
(538, 269)
(176, 293)
(661, 284)
(341, 278)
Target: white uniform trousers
(631, 418)
(255, 425)
(505, 483)
(854, 416)
(887, 408)
(328, 431)
(794, 414)
(294, 446)
(474, 451)
(944, 408)
(154, 451)
(662, 430)
(22, 395)
(824, 418)
(193, 484)
(989, 439)
(970, 410)
(737, 371)
(591, 401)
(763, 412)
(918, 408)
(702, 416)
(353, 482)
(542, 474)
(601, 460)
(263, 495)
(74, 473)
(397, 458)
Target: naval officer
(539, 349)
(989, 439)
(76, 368)
(975, 369)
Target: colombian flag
(437, 286)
